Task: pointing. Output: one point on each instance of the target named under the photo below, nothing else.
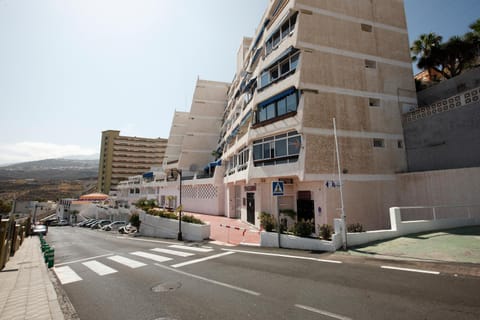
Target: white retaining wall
(153, 226)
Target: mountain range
(51, 169)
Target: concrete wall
(444, 140)
(442, 187)
(466, 81)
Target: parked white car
(115, 225)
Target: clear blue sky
(71, 69)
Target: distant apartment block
(122, 157)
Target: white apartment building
(309, 62)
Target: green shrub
(145, 204)
(135, 220)
(326, 231)
(191, 219)
(303, 228)
(267, 221)
(355, 227)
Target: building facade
(122, 157)
(310, 62)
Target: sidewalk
(225, 230)
(26, 291)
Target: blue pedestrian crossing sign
(277, 188)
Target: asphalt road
(109, 276)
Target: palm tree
(455, 56)
(422, 51)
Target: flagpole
(343, 217)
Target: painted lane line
(127, 262)
(226, 285)
(66, 275)
(84, 259)
(284, 256)
(411, 270)
(195, 249)
(154, 257)
(173, 252)
(99, 268)
(178, 265)
(144, 240)
(322, 312)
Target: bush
(135, 220)
(145, 204)
(191, 219)
(267, 222)
(355, 227)
(303, 228)
(326, 231)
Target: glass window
(268, 46)
(294, 61)
(292, 102)
(262, 115)
(292, 22)
(257, 151)
(268, 150)
(274, 73)
(281, 148)
(264, 79)
(294, 144)
(282, 107)
(285, 67)
(270, 111)
(285, 29)
(276, 38)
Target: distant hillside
(51, 169)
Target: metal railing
(466, 211)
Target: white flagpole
(343, 217)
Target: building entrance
(251, 207)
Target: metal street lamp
(179, 173)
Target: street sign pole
(278, 190)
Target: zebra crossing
(67, 275)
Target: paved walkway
(26, 291)
(224, 230)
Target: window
(275, 150)
(280, 69)
(378, 143)
(281, 33)
(400, 144)
(374, 102)
(277, 106)
(370, 64)
(366, 27)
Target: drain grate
(167, 286)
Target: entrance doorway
(305, 206)
(251, 207)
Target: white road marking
(173, 252)
(195, 249)
(127, 262)
(284, 256)
(144, 240)
(226, 285)
(411, 270)
(99, 268)
(154, 257)
(322, 312)
(85, 259)
(178, 265)
(66, 275)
